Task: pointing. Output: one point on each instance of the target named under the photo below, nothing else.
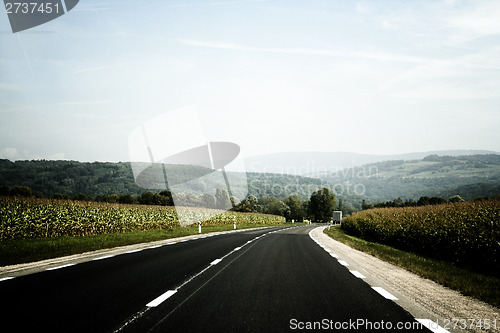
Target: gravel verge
(423, 298)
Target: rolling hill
(468, 176)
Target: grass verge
(29, 250)
(480, 286)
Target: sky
(373, 77)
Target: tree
(248, 205)
(21, 191)
(456, 198)
(208, 200)
(322, 204)
(222, 199)
(423, 201)
(437, 201)
(169, 201)
(297, 212)
(365, 205)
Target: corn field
(45, 218)
(466, 233)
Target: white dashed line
(385, 293)
(160, 299)
(58, 267)
(237, 248)
(343, 263)
(358, 274)
(215, 262)
(434, 327)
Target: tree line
(422, 201)
(318, 208)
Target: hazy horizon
(379, 78)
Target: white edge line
(334, 255)
(160, 299)
(358, 274)
(154, 247)
(343, 263)
(58, 267)
(385, 293)
(134, 251)
(237, 248)
(105, 257)
(433, 326)
(6, 278)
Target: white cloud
(473, 23)
(379, 55)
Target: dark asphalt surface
(282, 281)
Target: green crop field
(48, 218)
(36, 229)
(467, 233)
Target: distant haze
(371, 77)
(314, 164)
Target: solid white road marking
(160, 299)
(6, 278)
(358, 274)
(334, 255)
(62, 266)
(343, 263)
(385, 293)
(237, 248)
(154, 247)
(105, 257)
(328, 250)
(133, 251)
(215, 262)
(433, 326)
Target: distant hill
(316, 164)
(104, 178)
(468, 176)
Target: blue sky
(378, 77)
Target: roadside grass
(480, 286)
(29, 250)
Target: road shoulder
(421, 297)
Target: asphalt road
(250, 281)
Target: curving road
(267, 280)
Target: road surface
(266, 280)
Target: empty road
(266, 280)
